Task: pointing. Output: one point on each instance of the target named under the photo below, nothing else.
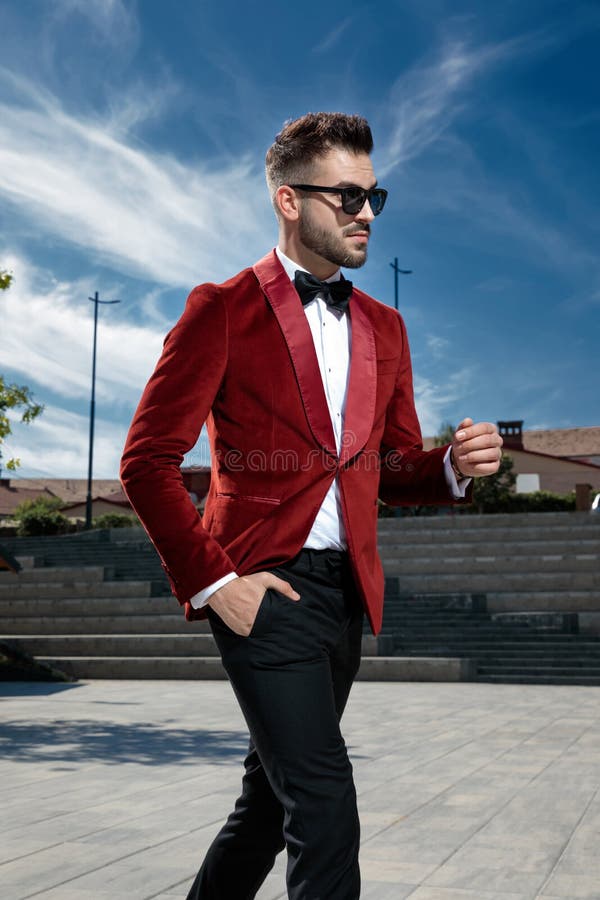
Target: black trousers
(292, 677)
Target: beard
(330, 246)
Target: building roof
(579, 442)
(559, 460)
(117, 498)
(564, 441)
(72, 491)
(11, 497)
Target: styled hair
(301, 141)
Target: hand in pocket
(238, 601)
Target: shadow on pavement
(35, 688)
(88, 740)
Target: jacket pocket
(230, 495)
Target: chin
(355, 262)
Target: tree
(445, 435)
(14, 396)
(5, 279)
(41, 516)
(492, 492)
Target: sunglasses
(353, 197)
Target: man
(305, 384)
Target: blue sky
(132, 140)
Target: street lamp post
(398, 271)
(88, 500)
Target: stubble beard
(331, 246)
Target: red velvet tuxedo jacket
(242, 359)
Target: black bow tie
(335, 293)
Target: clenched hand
(476, 449)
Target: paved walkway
(113, 789)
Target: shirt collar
(292, 267)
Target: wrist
(457, 473)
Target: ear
(288, 203)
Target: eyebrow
(354, 184)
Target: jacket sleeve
(166, 425)
(410, 475)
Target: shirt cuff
(202, 597)
(458, 489)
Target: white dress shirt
(331, 334)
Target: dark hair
(303, 140)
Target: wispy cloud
(112, 20)
(492, 208)
(47, 343)
(47, 335)
(331, 39)
(57, 442)
(427, 99)
(56, 445)
(143, 212)
(437, 345)
(434, 398)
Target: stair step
(458, 518)
(495, 532)
(191, 668)
(503, 678)
(505, 582)
(495, 657)
(501, 635)
(117, 624)
(128, 645)
(62, 574)
(592, 672)
(76, 589)
(549, 601)
(452, 549)
(497, 566)
(498, 647)
(208, 668)
(89, 606)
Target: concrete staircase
(494, 598)
(518, 595)
(123, 553)
(93, 622)
(76, 620)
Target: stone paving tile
(375, 890)
(472, 875)
(572, 887)
(517, 856)
(466, 792)
(63, 893)
(428, 893)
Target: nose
(365, 214)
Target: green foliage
(494, 491)
(5, 279)
(41, 516)
(445, 435)
(538, 501)
(115, 520)
(14, 396)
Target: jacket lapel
(362, 384)
(290, 315)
